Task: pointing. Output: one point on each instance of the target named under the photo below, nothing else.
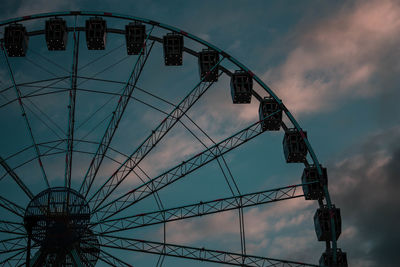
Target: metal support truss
(180, 170)
(12, 228)
(11, 206)
(145, 147)
(200, 209)
(16, 178)
(116, 117)
(24, 115)
(200, 254)
(71, 113)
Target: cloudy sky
(335, 66)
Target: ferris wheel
(102, 140)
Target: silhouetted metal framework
(116, 117)
(32, 233)
(187, 252)
(111, 260)
(11, 227)
(24, 115)
(11, 206)
(71, 112)
(200, 209)
(12, 244)
(126, 168)
(179, 171)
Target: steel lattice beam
(116, 118)
(71, 113)
(147, 145)
(200, 254)
(16, 178)
(200, 209)
(180, 170)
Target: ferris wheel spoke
(37, 258)
(58, 91)
(100, 57)
(16, 178)
(34, 63)
(50, 148)
(186, 127)
(71, 112)
(109, 52)
(199, 209)
(46, 153)
(151, 141)
(12, 207)
(45, 69)
(60, 88)
(181, 170)
(116, 117)
(43, 121)
(200, 254)
(50, 85)
(19, 152)
(230, 181)
(10, 227)
(32, 82)
(12, 244)
(12, 257)
(18, 93)
(48, 60)
(112, 260)
(104, 256)
(34, 93)
(119, 61)
(90, 116)
(20, 260)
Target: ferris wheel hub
(57, 216)
(58, 220)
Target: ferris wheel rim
(185, 34)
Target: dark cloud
(365, 187)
